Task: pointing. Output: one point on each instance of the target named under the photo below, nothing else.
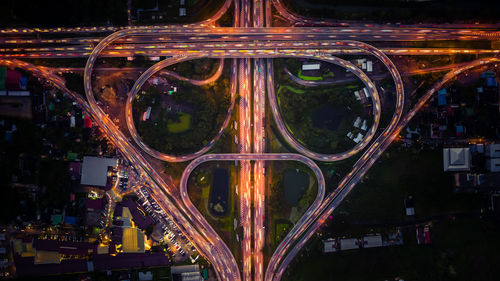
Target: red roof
(87, 122)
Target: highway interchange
(251, 37)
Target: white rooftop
(357, 122)
(329, 245)
(456, 159)
(493, 165)
(371, 241)
(493, 150)
(348, 244)
(95, 169)
(311, 66)
(358, 138)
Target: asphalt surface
(254, 38)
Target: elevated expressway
(244, 43)
(328, 204)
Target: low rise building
(95, 170)
(349, 244)
(372, 241)
(311, 66)
(358, 138)
(456, 159)
(493, 150)
(493, 164)
(186, 273)
(330, 245)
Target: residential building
(372, 241)
(330, 245)
(493, 150)
(186, 272)
(493, 164)
(349, 244)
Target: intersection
(249, 44)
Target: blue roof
(442, 92)
(491, 82)
(8, 136)
(71, 220)
(460, 129)
(442, 99)
(23, 81)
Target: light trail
(205, 40)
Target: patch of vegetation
(464, 249)
(309, 78)
(196, 69)
(282, 212)
(379, 198)
(181, 126)
(282, 229)
(185, 121)
(319, 117)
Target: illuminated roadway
(334, 199)
(261, 43)
(258, 158)
(148, 74)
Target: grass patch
(202, 179)
(183, 125)
(282, 228)
(309, 78)
(418, 173)
(464, 249)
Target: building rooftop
(95, 170)
(186, 272)
(493, 150)
(371, 241)
(178, 269)
(94, 204)
(64, 247)
(456, 159)
(133, 240)
(493, 165)
(329, 245)
(138, 215)
(349, 244)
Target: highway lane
(256, 47)
(193, 34)
(257, 157)
(245, 138)
(259, 146)
(130, 153)
(207, 234)
(210, 234)
(274, 272)
(334, 199)
(259, 143)
(245, 131)
(245, 85)
(225, 265)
